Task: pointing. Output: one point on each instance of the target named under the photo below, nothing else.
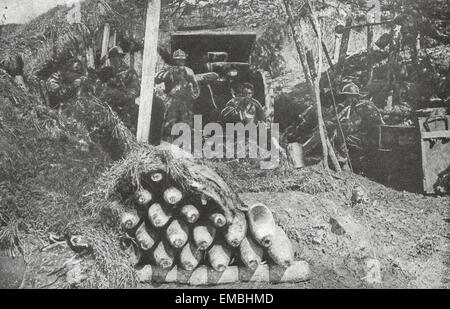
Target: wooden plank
(370, 68)
(148, 70)
(105, 42)
(90, 56)
(344, 41)
(423, 146)
(299, 271)
(337, 44)
(435, 134)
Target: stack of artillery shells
(170, 228)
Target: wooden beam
(113, 40)
(90, 54)
(370, 19)
(148, 70)
(105, 42)
(369, 54)
(337, 44)
(322, 129)
(435, 134)
(344, 41)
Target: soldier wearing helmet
(182, 89)
(123, 88)
(355, 104)
(359, 118)
(125, 78)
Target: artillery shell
(157, 177)
(145, 237)
(173, 196)
(251, 253)
(190, 213)
(203, 236)
(190, 257)
(177, 233)
(129, 220)
(219, 257)
(218, 219)
(158, 215)
(237, 230)
(164, 255)
(143, 197)
(261, 224)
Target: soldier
(65, 84)
(123, 88)
(360, 119)
(244, 108)
(124, 78)
(181, 89)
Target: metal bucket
(295, 151)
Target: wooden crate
(434, 128)
(393, 137)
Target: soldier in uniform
(244, 108)
(182, 89)
(124, 78)
(123, 88)
(65, 84)
(360, 119)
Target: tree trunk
(148, 70)
(299, 45)
(314, 84)
(322, 131)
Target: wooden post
(90, 55)
(369, 54)
(370, 19)
(322, 130)
(344, 41)
(105, 43)
(132, 47)
(148, 70)
(113, 40)
(337, 43)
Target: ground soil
(407, 233)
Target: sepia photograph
(225, 150)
